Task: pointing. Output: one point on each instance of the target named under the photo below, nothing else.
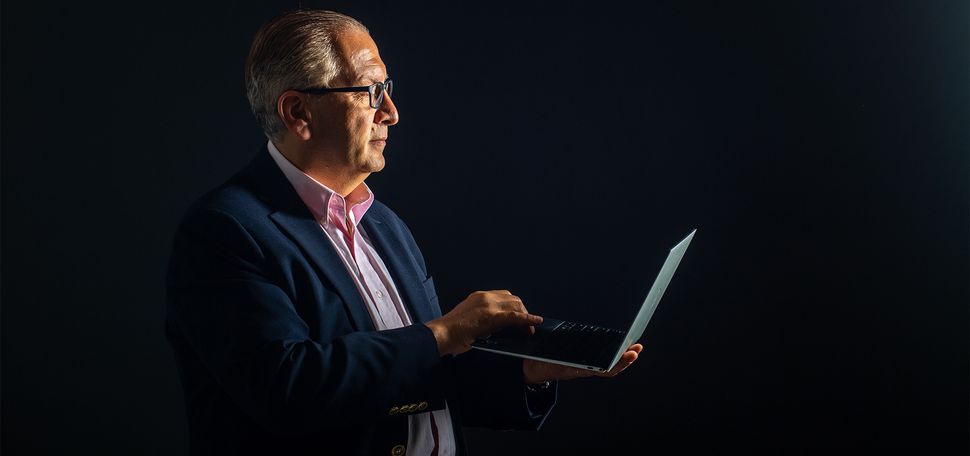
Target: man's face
(347, 131)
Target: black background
(556, 150)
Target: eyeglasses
(375, 90)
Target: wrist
(441, 336)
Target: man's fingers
(560, 372)
(628, 358)
(636, 347)
(513, 304)
(509, 301)
(625, 361)
(512, 317)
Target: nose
(387, 113)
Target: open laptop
(580, 345)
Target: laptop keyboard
(579, 328)
(564, 340)
(582, 340)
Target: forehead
(360, 53)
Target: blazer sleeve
(491, 392)
(490, 389)
(246, 332)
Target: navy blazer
(277, 353)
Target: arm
(246, 332)
(489, 389)
(491, 392)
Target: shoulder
(246, 197)
(381, 212)
(223, 215)
(231, 200)
(385, 215)
(396, 227)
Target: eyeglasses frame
(370, 89)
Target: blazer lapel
(407, 277)
(293, 217)
(308, 234)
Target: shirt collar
(325, 204)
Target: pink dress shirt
(340, 224)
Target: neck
(338, 178)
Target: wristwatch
(538, 387)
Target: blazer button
(398, 450)
(394, 411)
(423, 405)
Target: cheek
(362, 127)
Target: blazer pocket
(429, 290)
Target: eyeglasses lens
(377, 93)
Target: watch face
(538, 387)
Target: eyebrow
(373, 79)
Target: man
(300, 308)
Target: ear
(293, 108)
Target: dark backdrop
(558, 150)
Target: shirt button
(380, 294)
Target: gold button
(398, 450)
(394, 411)
(422, 406)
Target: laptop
(580, 345)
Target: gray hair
(293, 51)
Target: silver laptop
(580, 345)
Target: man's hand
(538, 371)
(480, 314)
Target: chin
(375, 162)
(374, 165)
